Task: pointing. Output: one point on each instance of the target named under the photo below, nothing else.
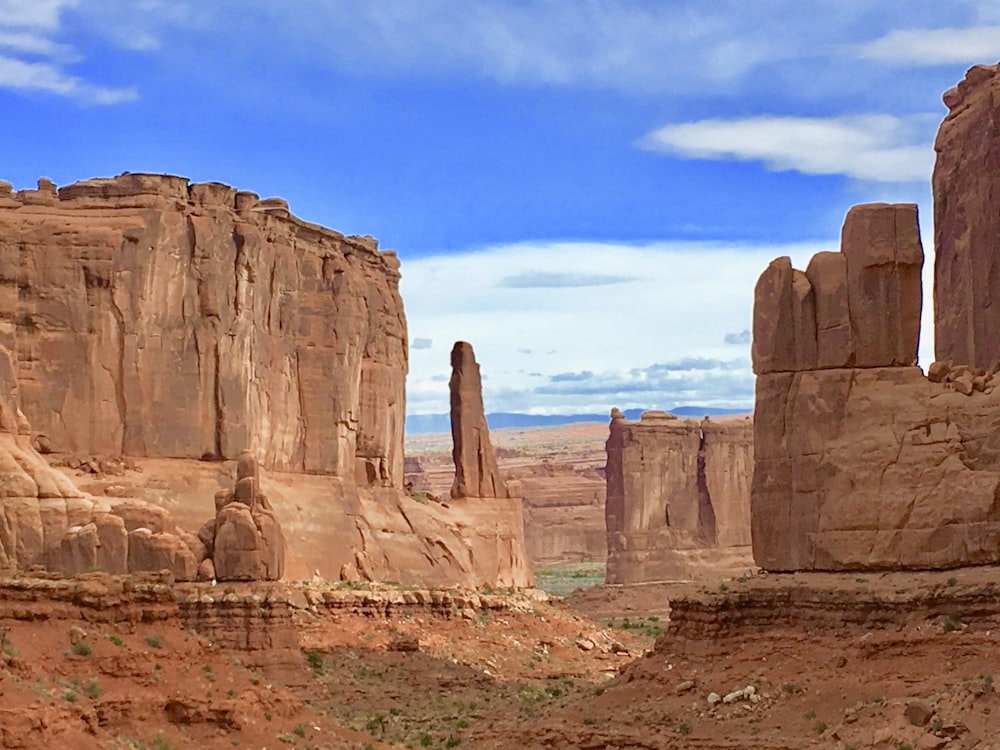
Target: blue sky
(584, 190)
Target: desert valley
(215, 533)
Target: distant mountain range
(423, 424)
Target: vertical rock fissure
(706, 512)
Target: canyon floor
(872, 661)
(889, 661)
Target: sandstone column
(476, 472)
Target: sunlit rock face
(860, 461)
(678, 497)
(153, 317)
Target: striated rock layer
(967, 223)
(861, 462)
(153, 317)
(678, 496)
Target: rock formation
(152, 317)
(244, 541)
(476, 472)
(678, 496)
(967, 223)
(861, 462)
(46, 521)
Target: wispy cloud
(738, 337)
(879, 147)
(419, 343)
(555, 279)
(942, 46)
(31, 58)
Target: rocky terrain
(879, 661)
(559, 472)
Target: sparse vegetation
(81, 648)
(154, 641)
(299, 730)
(315, 661)
(93, 689)
(115, 640)
(684, 728)
(810, 714)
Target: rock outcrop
(678, 497)
(153, 317)
(46, 521)
(244, 541)
(476, 472)
(967, 223)
(861, 462)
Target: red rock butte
(678, 497)
(186, 325)
(862, 462)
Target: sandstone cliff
(678, 496)
(153, 317)
(861, 462)
(967, 223)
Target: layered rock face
(678, 496)
(861, 462)
(476, 472)
(967, 223)
(45, 520)
(152, 317)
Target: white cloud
(878, 147)
(32, 60)
(923, 47)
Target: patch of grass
(810, 714)
(723, 588)
(154, 641)
(951, 622)
(299, 730)
(791, 687)
(93, 689)
(684, 728)
(820, 727)
(116, 640)
(426, 740)
(937, 726)
(590, 720)
(70, 696)
(905, 746)
(315, 661)
(81, 648)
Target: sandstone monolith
(476, 472)
(967, 223)
(861, 462)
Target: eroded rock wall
(676, 488)
(153, 317)
(862, 462)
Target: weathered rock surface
(153, 317)
(967, 223)
(45, 520)
(858, 308)
(244, 541)
(871, 465)
(476, 472)
(675, 489)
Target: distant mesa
(678, 497)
